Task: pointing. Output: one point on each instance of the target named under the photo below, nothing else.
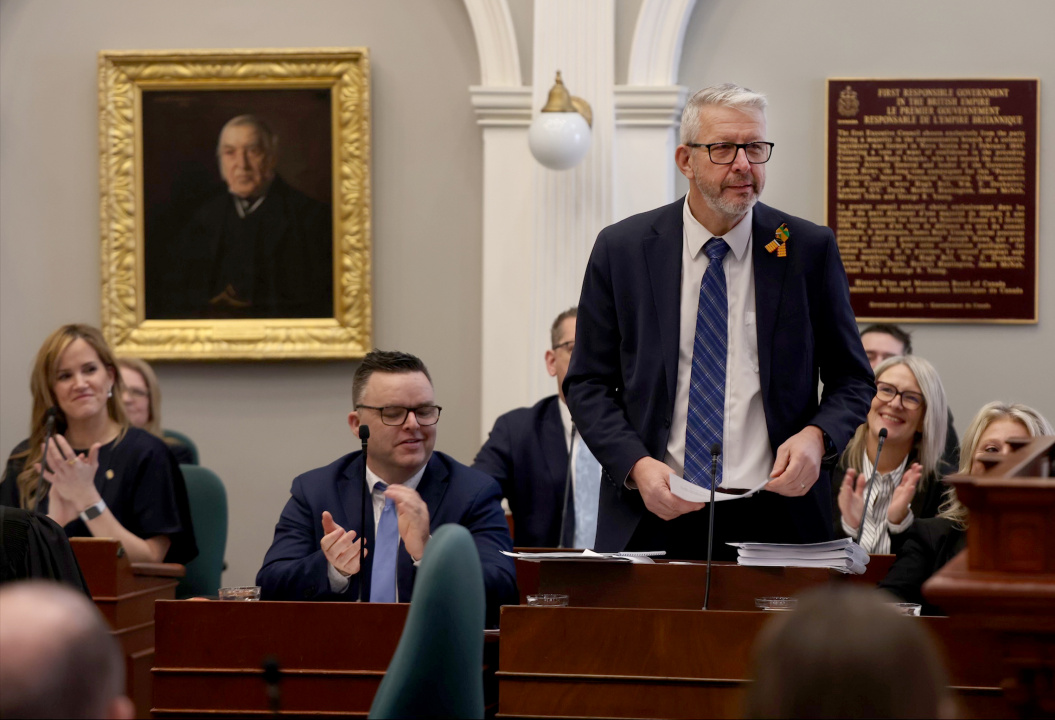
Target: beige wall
(257, 425)
(788, 50)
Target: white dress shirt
(876, 536)
(747, 458)
(339, 582)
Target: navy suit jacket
(528, 455)
(621, 382)
(295, 567)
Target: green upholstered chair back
(437, 670)
(208, 512)
(186, 441)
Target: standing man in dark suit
(411, 491)
(527, 453)
(674, 358)
(259, 248)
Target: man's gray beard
(731, 210)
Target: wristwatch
(831, 453)
(93, 511)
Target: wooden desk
(332, 656)
(125, 593)
(595, 662)
(675, 586)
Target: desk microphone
(364, 435)
(272, 676)
(49, 430)
(567, 489)
(868, 487)
(716, 450)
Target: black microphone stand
(716, 450)
(49, 430)
(567, 489)
(868, 487)
(364, 435)
(272, 677)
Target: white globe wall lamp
(559, 136)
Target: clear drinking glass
(550, 600)
(248, 592)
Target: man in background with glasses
(550, 490)
(407, 489)
(703, 330)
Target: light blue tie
(587, 489)
(386, 548)
(707, 380)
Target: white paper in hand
(684, 489)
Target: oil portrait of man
(253, 247)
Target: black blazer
(527, 454)
(927, 546)
(924, 504)
(621, 383)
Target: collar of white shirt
(373, 478)
(697, 235)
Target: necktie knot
(715, 249)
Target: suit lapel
(662, 256)
(550, 432)
(352, 493)
(432, 488)
(770, 271)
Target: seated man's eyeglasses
(910, 400)
(569, 345)
(724, 153)
(396, 415)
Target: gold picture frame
(168, 106)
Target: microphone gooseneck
(49, 430)
(364, 435)
(567, 489)
(716, 451)
(868, 487)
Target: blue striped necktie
(386, 549)
(707, 380)
(587, 494)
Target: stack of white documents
(843, 555)
(589, 555)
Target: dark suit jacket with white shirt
(527, 454)
(622, 379)
(295, 567)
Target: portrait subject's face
(244, 163)
(729, 191)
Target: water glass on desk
(246, 593)
(548, 600)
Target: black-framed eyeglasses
(724, 153)
(397, 415)
(570, 344)
(909, 399)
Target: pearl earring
(110, 392)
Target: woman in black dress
(101, 477)
(929, 544)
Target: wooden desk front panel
(592, 662)
(332, 656)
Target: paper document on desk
(843, 555)
(639, 558)
(694, 493)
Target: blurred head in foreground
(844, 652)
(57, 657)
